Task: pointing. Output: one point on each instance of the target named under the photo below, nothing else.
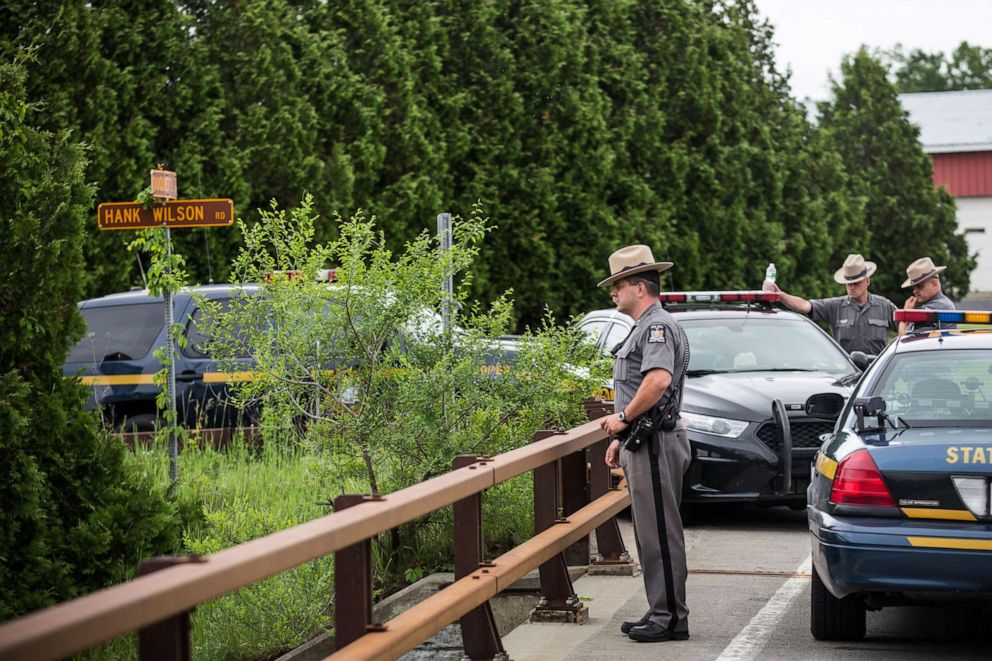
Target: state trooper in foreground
(652, 446)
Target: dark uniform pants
(654, 480)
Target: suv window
(118, 332)
(618, 333)
(593, 329)
(198, 337)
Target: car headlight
(709, 424)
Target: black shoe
(652, 632)
(627, 626)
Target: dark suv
(116, 359)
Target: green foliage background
(582, 126)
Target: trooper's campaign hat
(855, 269)
(920, 270)
(630, 261)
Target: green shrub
(74, 519)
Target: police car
(116, 359)
(899, 504)
(745, 356)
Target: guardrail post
(611, 554)
(609, 545)
(575, 496)
(352, 583)
(167, 640)
(480, 638)
(559, 603)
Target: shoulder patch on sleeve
(656, 334)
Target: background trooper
(859, 321)
(648, 363)
(923, 278)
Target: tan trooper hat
(631, 260)
(855, 269)
(920, 270)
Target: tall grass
(245, 491)
(232, 496)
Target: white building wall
(975, 220)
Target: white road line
(752, 638)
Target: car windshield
(118, 332)
(938, 388)
(758, 344)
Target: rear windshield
(118, 332)
(938, 388)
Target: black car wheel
(832, 618)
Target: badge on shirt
(656, 334)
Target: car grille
(805, 433)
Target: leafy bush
(377, 384)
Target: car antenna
(210, 272)
(206, 242)
(142, 269)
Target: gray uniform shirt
(938, 302)
(857, 327)
(655, 342)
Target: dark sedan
(744, 357)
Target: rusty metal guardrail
(573, 495)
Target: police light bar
(944, 316)
(719, 297)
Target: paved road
(748, 593)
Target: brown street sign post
(168, 214)
(176, 213)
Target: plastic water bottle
(770, 273)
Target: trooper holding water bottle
(859, 321)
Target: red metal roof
(965, 174)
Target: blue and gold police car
(116, 358)
(899, 503)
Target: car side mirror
(861, 360)
(826, 405)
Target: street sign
(164, 184)
(175, 213)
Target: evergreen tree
(73, 519)
(581, 125)
(906, 217)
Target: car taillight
(858, 482)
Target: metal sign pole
(170, 343)
(447, 284)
